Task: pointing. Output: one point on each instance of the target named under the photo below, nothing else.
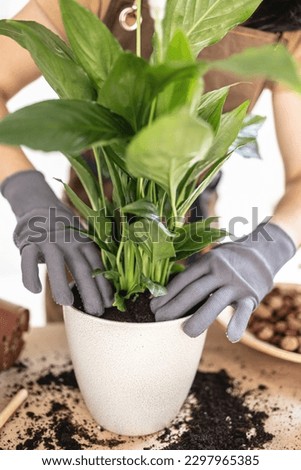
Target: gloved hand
(42, 235)
(239, 273)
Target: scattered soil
(55, 396)
(216, 415)
(219, 418)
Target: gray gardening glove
(239, 273)
(42, 235)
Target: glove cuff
(27, 190)
(272, 243)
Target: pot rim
(154, 324)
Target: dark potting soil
(60, 429)
(220, 419)
(217, 416)
(137, 310)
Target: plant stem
(140, 189)
(99, 174)
(152, 111)
(159, 32)
(138, 30)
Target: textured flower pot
(134, 377)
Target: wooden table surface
(46, 356)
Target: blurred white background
(245, 184)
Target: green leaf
(219, 152)
(147, 210)
(177, 268)
(194, 237)
(119, 302)
(272, 62)
(179, 48)
(211, 106)
(87, 179)
(68, 126)
(110, 275)
(133, 102)
(211, 173)
(157, 290)
(96, 220)
(127, 90)
(152, 239)
(167, 148)
(94, 46)
(93, 236)
(229, 128)
(206, 21)
(52, 56)
(81, 207)
(181, 92)
(118, 194)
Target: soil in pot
(137, 311)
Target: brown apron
(234, 42)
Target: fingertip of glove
(67, 299)
(190, 330)
(160, 315)
(233, 338)
(154, 305)
(33, 288)
(94, 309)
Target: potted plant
(162, 141)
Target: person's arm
(31, 199)
(18, 69)
(287, 111)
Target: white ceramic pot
(134, 377)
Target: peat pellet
(263, 312)
(275, 302)
(289, 343)
(294, 323)
(258, 326)
(266, 333)
(284, 320)
(280, 327)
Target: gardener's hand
(239, 273)
(42, 235)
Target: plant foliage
(148, 123)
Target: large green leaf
(69, 126)
(219, 152)
(133, 84)
(206, 21)
(165, 150)
(272, 62)
(53, 57)
(128, 91)
(94, 46)
(194, 237)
